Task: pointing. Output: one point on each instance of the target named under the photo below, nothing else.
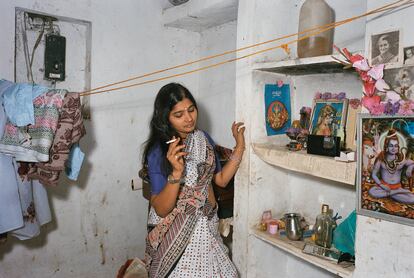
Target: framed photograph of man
(385, 184)
(409, 55)
(385, 48)
(401, 80)
(329, 117)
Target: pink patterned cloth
(32, 143)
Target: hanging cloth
(32, 143)
(18, 102)
(34, 205)
(10, 213)
(70, 130)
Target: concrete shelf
(314, 165)
(198, 15)
(295, 248)
(304, 66)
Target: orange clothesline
(320, 29)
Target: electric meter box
(55, 51)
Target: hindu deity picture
(328, 117)
(277, 108)
(277, 115)
(386, 167)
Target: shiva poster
(385, 183)
(277, 108)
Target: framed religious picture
(385, 184)
(385, 48)
(329, 117)
(401, 81)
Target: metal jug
(293, 228)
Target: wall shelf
(304, 66)
(315, 165)
(198, 15)
(295, 248)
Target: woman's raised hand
(238, 133)
(175, 156)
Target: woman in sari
(183, 238)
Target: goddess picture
(386, 165)
(329, 116)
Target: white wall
(216, 94)
(98, 221)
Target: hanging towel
(10, 212)
(69, 131)
(18, 102)
(32, 143)
(34, 207)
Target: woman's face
(183, 117)
(383, 46)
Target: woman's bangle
(172, 180)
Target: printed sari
(186, 242)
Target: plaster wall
(217, 85)
(98, 221)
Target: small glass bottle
(314, 13)
(324, 227)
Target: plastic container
(314, 13)
(273, 227)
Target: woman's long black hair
(160, 128)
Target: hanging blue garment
(10, 212)
(4, 84)
(74, 163)
(24, 205)
(18, 102)
(34, 205)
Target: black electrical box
(55, 51)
